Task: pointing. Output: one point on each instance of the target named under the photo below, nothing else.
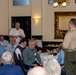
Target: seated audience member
(2, 50)
(17, 32)
(61, 61)
(8, 68)
(52, 67)
(40, 49)
(37, 71)
(31, 58)
(3, 42)
(12, 45)
(19, 49)
(61, 57)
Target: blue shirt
(10, 69)
(61, 57)
(11, 48)
(2, 50)
(4, 43)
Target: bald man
(37, 71)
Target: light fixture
(59, 3)
(36, 19)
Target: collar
(8, 64)
(73, 28)
(21, 46)
(18, 29)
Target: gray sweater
(29, 56)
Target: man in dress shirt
(3, 42)
(61, 57)
(61, 61)
(12, 45)
(69, 45)
(2, 50)
(17, 32)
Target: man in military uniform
(69, 45)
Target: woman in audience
(52, 67)
(8, 68)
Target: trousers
(70, 63)
(29, 66)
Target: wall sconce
(36, 19)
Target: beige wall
(18, 11)
(4, 17)
(63, 22)
(39, 8)
(48, 18)
(36, 11)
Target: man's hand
(41, 64)
(35, 65)
(62, 66)
(12, 36)
(39, 51)
(21, 37)
(60, 46)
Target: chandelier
(59, 3)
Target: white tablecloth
(45, 56)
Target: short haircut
(17, 22)
(73, 21)
(52, 67)
(6, 58)
(1, 35)
(32, 41)
(22, 41)
(37, 71)
(12, 38)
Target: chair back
(18, 61)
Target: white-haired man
(37, 71)
(8, 68)
(17, 32)
(30, 56)
(52, 67)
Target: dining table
(45, 56)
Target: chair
(22, 65)
(19, 62)
(39, 37)
(40, 43)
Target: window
(50, 1)
(20, 2)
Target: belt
(70, 50)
